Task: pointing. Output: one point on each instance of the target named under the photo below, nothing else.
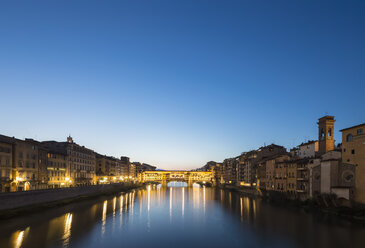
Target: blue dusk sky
(178, 83)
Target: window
(322, 134)
(359, 131)
(329, 132)
(349, 138)
(353, 151)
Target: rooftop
(352, 127)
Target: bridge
(189, 177)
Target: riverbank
(25, 202)
(325, 204)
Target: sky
(179, 83)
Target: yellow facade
(292, 177)
(6, 161)
(57, 171)
(25, 170)
(353, 152)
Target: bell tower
(325, 134)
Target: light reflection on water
(179, 217)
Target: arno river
(178, 217)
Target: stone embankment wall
(24, 199)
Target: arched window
(329, 132)
(322, 134)
(349, 137)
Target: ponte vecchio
(189, 177)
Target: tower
(325, 134)
(69, 139)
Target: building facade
(81, 161)
(291, 181)
(6, 164)
(353, 152)
(308, 149)
(58, 170)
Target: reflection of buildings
(67, 230)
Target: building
(6, 163)
(308, 149)
(247, 162)
(107, 169)
(291, 180)
(129, 170)
(281, 171)
(124, 165)
(58, 171)
(216, 170)
(25, 165)
(80, 161)
(230, 168)
(42, 178)
(333, 177)
(275, 177)
(261, 175)
(353, 152)
(250, 162)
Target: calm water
(177, 217)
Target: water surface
(178, 217)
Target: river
(178, 217)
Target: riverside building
(6, 163)
(80, 161)
(353, 152)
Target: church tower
(325, 134)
